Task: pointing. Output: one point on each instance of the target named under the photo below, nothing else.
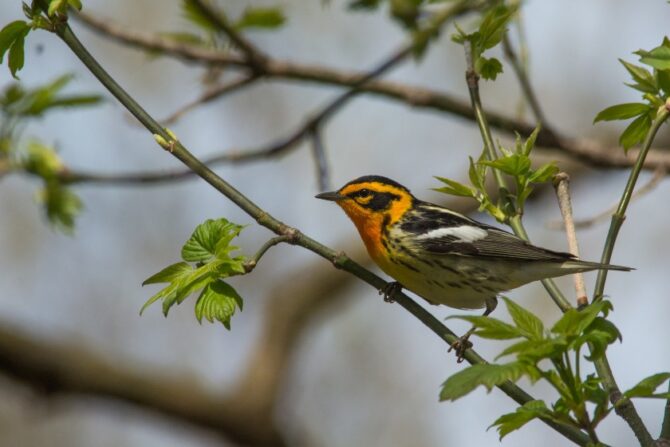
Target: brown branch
(585, 150)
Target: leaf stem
(339, 259)
(251, 262)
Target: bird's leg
(463, 344)
(389, 290)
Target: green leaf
(494, 26)
(42, 160)
(635, 132)
(644, 80)
(510, 422)
(204, 244)
(191, 12)
(526, 321)
(261, 18)
(62, 205)
(217, 302)
(488, 68)
(514, 164)
(455, 188)
(574, 322)
(16, 56)
(663, 78)
(491, 328)
(622, 111)
(529, 144)
(647, 386)
(544, 173)
(56, 6)
(170, 273)
(9, 34)
(76, 4)
(659, 57)
(365, 5)
(536, 349)
(486, 374)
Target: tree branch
(586, 150)
(339, 259)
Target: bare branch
(212, 93)
(562, 185)
(319, 154)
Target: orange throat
(369, 226)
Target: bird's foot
(460, 346)
(389, 290)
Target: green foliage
(207, 260)
(516, 164)
(655, 88)
(263, 18)
(12, 39)
(552, 355)
(491, 30)
(59, 7)
(647, 387)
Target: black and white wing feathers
(439, 231)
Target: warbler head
(371, 201)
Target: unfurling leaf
(485, 374)
(491, 328)
(206, 240)
(510, 422)
(622, 111)
(488, 68)
(530, 325)
(455, 188)
(217, 302)
(513, 164)
(647, 386)
(261, 18)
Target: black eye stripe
(381, 201)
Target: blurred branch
(585, 150)
(319, 155)
(212, 93)
(54, 367)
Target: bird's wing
(447, 233)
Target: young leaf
(488, 68)
(622, 111)
(658, 58)
(261, 18)
(491, 328)
(663, 77)
(513, 164)
(76, 4)
(510, 422)
(530, 325)
(62, 205)
(193, 14)
(202, 245)
(16, 56)
(494, 26)
(644, 80)
(537, 349)
(574, 322)
(486, 374)
(529, 144)
(543, 174)
(217, 301)
(455, 188)
(635, 132)
(9, 34)
(170, 273)
(647, 386)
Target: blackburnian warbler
(443, 256)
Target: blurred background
(347, 369)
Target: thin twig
(340, 260)
(583, 149)
(654, 181)
(515, 222)
(212, 93)
(253, 55)
(252, 262)
(524, 82)
(562, 185)
(320, 159)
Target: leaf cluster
(490, 32)
(654, 85)
(206, 262)
(516, 164)
(549, 354)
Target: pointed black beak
(332, 195)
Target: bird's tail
(585, 266)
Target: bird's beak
(332, 195)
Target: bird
(441, 255)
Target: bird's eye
(364, 193)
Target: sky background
(366, 373)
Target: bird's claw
(389, 290)
(460, 346)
